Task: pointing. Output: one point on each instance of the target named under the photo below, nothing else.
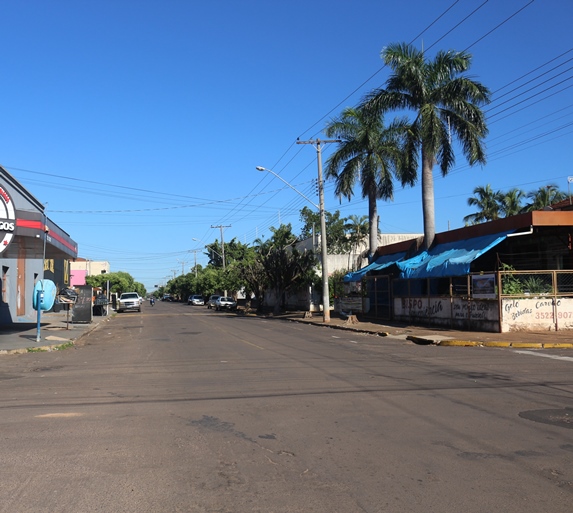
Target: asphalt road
(181, 409)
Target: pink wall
(77, 277)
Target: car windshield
(132, 295)
(226, 299)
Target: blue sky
(140, 123)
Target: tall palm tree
(511, 202)
(544, 197)
(369, 154)
(445, 102)
(488, 202)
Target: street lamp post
(323, 252)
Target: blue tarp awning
(379, 263)
(449, 259)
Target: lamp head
(260, 168)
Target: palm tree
(369, 153)
(357, 228)
(445, 102)
(511, 202)
(544, 197)
(488, 202)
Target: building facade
(81, 268)
(32, 247)
(510, 274)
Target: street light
(259, 168)
(323, 252)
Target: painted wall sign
(542, 313)
(7, 219)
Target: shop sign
(483, 286)
(7, 219)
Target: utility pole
(194, 251)
(324, 255)
(182, 262)
(222, 246)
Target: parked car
(212, 300)
(196, 300)
(129, 301)
(225, 303)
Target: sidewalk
(55, 333)
(443, 337)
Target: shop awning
(449, 259)
(377, 265)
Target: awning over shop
(449, 259)
(377, 265)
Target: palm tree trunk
(428, 200)
(373, 219)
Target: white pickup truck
(129, 301)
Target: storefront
(511, 274)
(32, 247)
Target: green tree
(488, 203)
(234, 252)
(210, 281)
(336, 240)
(444, 102)
(119, 282)
(369, 154)
(544, 197)
(286, 269)
(254, 274)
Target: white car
(129, 301)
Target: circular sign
(7, 219)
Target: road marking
(552, 356)
(334, 336)
(58, 415)
(251, 344)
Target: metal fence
(535, 283)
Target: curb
(515, 345)
(338, 327)
(473, 343)
(348, 328)
(421, 341)
(424, 341)
(38, 349)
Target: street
(183, 409)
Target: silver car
(212, 301)
(225, 303)
(196, 300)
